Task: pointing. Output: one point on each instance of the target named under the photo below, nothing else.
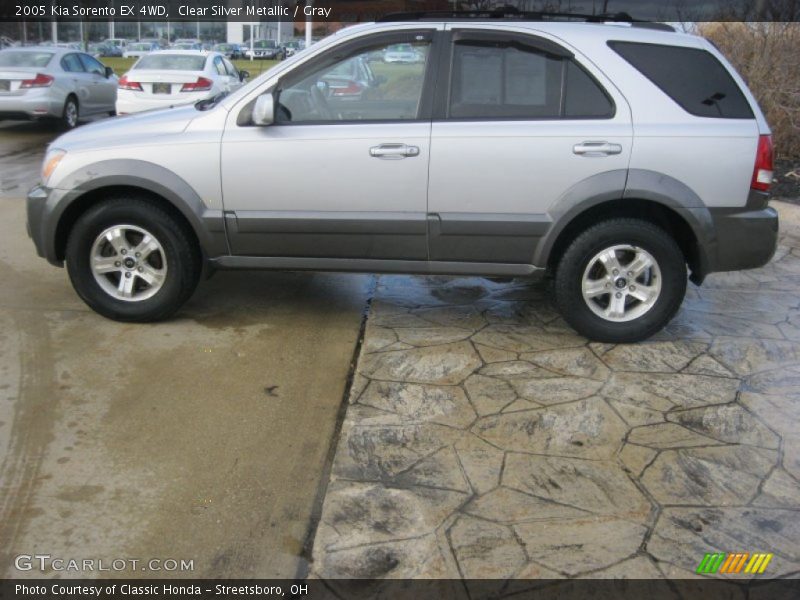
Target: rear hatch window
(25, 59)
(692, 77)
(171, 62)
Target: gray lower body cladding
(460, 244)
(476, 238)
(744, 239)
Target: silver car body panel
(480, 194)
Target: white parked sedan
(172, 77)
(139, 49)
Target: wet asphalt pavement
(203, 439)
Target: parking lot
(482, 438)
(203, 438)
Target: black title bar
(352, 11)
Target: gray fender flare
(622, 184)
(208, 224)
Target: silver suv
(616, 157)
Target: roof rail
(513, 14)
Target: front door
(343, 171)
(519, 120)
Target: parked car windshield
(140, 46)
(9, 58)
(171, 62)
(265, 44)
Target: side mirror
(109, 72)
(244, 75)
(264, 110)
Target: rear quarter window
(692, 77)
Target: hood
(129, 128)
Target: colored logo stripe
(758, 563)
(721, 562)
(711, 562)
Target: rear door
(81, 82)
(518, 121)
(226, 81)
(235, 78)
(103, 89)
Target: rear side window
(11, 58)
(72, 64)
(692, 77)
(171, 62)
(507, 79)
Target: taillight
(351, 89)
(124, 84)
(201, 85)
(41, 80)
(762, 172)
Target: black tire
(183, 259)
(67, 119)
(112, 113)
(624, 231)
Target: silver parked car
(619, 160)
(52, 82)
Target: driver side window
(382, 82)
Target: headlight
(51, 160)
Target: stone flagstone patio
(485, 439)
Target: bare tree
(765, 54)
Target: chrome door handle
(393, 151)
(596, 149)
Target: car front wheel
(130, 260)
(620, 281)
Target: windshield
(171, 62)
(265, 44)
(139, 46)
(24, 59)
(400, 48)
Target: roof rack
(511, 13)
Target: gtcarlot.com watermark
(49, 564)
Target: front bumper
(36, 209)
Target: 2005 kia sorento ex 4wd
(613, 157)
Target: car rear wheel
(620, 281)
(70, 114)
(130, 260)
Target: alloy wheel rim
(621, 283)
(128, 263)
(72, 114)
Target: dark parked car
(267, 49)
(104, 50)
(231, 51)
